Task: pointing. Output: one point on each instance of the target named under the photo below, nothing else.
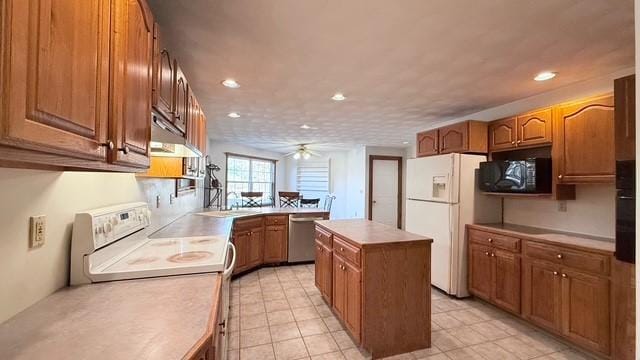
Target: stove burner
(143, 260)
(164, 243)
(189, 256)
(201, 241)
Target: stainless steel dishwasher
(301, 237)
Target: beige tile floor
(277, 313)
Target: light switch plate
(562, 206)
(37, 231)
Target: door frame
(385, 157)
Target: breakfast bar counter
(377, 280)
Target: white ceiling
(403, 64)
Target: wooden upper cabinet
(464, 137)
(454, 138)
(502, 134)
(535, 128)
(586, 310)
(132, 49)
(164, 72)
(427, 143)
(583, 150)
(181, 100)
(56, 65)
(625, 117)
(542, 294)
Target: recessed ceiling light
(234, 115)
(305, 126)
(338, 97)
(230, 83)
(545, 75)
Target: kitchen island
(377, 280)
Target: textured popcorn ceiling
(403, 65)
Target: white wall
(27, 276)
(217, 150)
(593, 212)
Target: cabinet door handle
(493, 255)
(486, 253)
(513, 142)
(559, 256)
(341, 249)
(109, 145)
(125, 149)
(490, 240)
(555, 273)
(564, 275)
(519, 141)
(560, 176)
(223, 323)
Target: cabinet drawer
(499, 241)
(347, 251)
(244, 224)
(276, 220)
(576, 259)
(324, 237)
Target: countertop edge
(541, 238)
(210, 331)
(376, 244)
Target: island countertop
(155, 318)
(368, 233)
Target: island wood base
(380, 290)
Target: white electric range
(113, 243)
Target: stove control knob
(107, 227)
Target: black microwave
(532, 175)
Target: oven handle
(227, 272)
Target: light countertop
(551, 236)
(366, 232)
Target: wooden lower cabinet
(242, 244)
(480, 271)
(585, 310)
(381, 293)
(256, 247)
(324, 271)
(541, 294)
(563, 289)
(275, 243)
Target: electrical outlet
(37, 231)
(171, 198)
(157, 201)
(562, 206)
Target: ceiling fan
(302, 152)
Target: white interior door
(384, 192)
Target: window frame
(250, 182)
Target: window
(249, 174)
(313, 178)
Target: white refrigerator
(442, 197)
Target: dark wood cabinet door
(535, 128)
(163, 76)
(339, 287)
(327, 274)
(181, 100)
(256, 247)
(132, 59)
(480, 271)
(454, 138)
(502, 134)
(506, 280)
(427, 143)
(275, 244)
(586, 310)
(57, 71)
(353, 303)
(542, 294)
(584, 142)
(625, 117)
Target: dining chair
(328, 201)
(289, 198)
(251, 198)
(309, 203)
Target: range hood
(168, 141)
